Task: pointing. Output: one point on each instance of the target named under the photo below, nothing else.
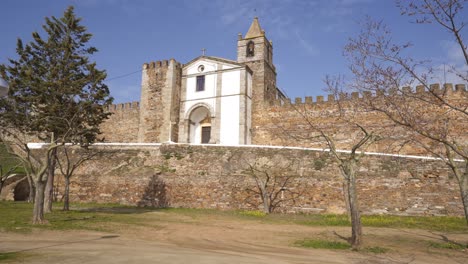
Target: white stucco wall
(208, 95)
(210, 80)
(249, 109)
(227, 112)
(231, 83)
(229, 120)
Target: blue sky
(308, 35)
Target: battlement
(447, 89)
(124, 107)
(161, 64)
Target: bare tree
(435, 118)
(68, 160)
(273, 178)
(347, 115)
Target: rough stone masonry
(213, 176)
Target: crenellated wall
(454, 91)
(280, 123)
(159, 103)
(285, 123)
(122, 125)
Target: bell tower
(256, 51)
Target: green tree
(56, 95)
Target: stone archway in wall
(200, 131)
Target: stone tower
(160, 101)
(256, 52)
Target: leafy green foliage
(53, 85)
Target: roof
(255, 30)
(214, 59)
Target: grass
(16, 217)
(256, 214)
(322, 244)
(376, 250)
(10, 256)
(433, 223)
(447, 245)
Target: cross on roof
(203, 52)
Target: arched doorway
(200, 126)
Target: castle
(212, 100)
(207, 100)
(236, 103)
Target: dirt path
(213, 240)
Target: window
(200, 83)
(250, 49)
(206, 134)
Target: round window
(201, 68)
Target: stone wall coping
(153, 145)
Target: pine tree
(56, 94)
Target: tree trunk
(31, 189)
(66, 198)
(356, 228)
(463, 183)
(346, 198)
(266, 203)
(1, 186)
(38, 212)
(49, 189)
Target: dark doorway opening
(206, 134)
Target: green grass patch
(434, 223)
(16, 217)
(322, 244)
(256, 214)
(376, 250)
(447, 245)
(7, 257)
(323, 220)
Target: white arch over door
(200, 125)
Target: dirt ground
(166, 239)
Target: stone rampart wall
(286, 123)
(207, 176)
(122, 125)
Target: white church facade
(208, 100)
(216, 102)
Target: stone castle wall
(285, 123)
(213, 176)
(123, 123)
